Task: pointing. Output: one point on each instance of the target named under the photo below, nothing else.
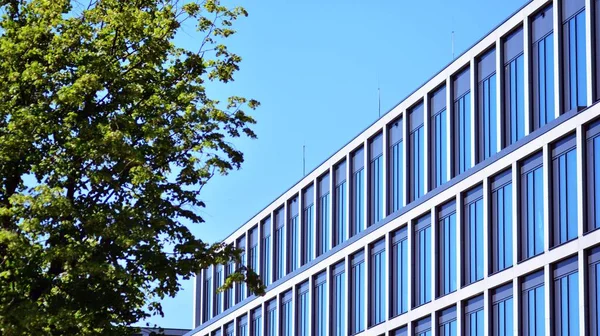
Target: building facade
(471, 208)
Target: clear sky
(315, 65)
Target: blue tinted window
(279, 255)
(267, 261)
(228, 294)
(564, 191)
(439, 139)
(447, 322)
(474, 322)
(502, 221)
(323, 230)
(502, 311)
(218, 282)
(593, 176)
(320, 303)
(417, 153)
(532, 297)
(271, 318)
(340, 204)
(447, 248)
(253, 251)
(400, 332)
(514, 88)
(462, 122)
(376, 206)
(422, 255)
(338, 300)
(256, 329)
(241, 286)
(377, 283)
(566, 298)
(399, 269)
(358, 192)
(396, 166)
(308, 225)
(357, 293)
(242, 326)
(293, 240)
(302, 310)
(286, 316)
(229, 329)
(473, 236)
(487, 112)
(543, 68)
(593, 294)
(208, 295)
(532, 207)
(574, 58)
(423, 327)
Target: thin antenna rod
(303, 160)
(453, 44)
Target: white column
(449, 112)
(332, 201)
(366, 185)
(547, 298)
(294, 307)
(589, 53)
(316, 210)
(583, 293)
(434, 254)
(386, 171)
(486, 227)
(516, 185)
(197, 316)
(527, 73)
(311, 295)
(434, 324)
(303, 237)
(473, 81)
(499, 96)
(347, 270)
(516, 306)
(581, 179)
(367, 280)
(459, 243)
(547, 199)
(426, 139)
(459, 317)
(411, 258)
(487, 312)
(285, 242)
(271, 250)
(348, 194)
(558, 76)
(328, 303)
(388, 274)
(405, 137)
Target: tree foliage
(107, 135)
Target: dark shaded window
(271, 318)
(564, 191)
(473, 236)
(218, 296)
(302, 310)
(242, 329)
(216, 332)
(228, 294)
(293, 236)
(422, 257)
(566, 298)
(253, 249)
(514, 88)
(308, 224)
(358, 195)
(532, 207)
(593, 291)
(592, 185)
(439, 138)
(596, 41)
(357, 293)
(286, 316)
(403, 331)
(461, 138)
(447, 322)
(474, 322)
(241, 286)
(502, 311)
(266, 253)
(399, 269)
(486, 106)
(396, 165)
(323, 223)
(377, 278)
(340, 195)
(542, 68)
(416, 153)
(423, 327)
(447, 248)
(256, 327)
(229, 329)
(532, 305)
(320, 304)
(574, 58)
(502, 222)
(279, 256)
(338, 300)
(208, 295)
(376, 206)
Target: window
(400, 332)
(228, 294)
(502, 311)
(229, 329)
(357, 293)
(338, 300)
(533, 305)
(279, 256)
(256, 327)
(594, 291)
(216, 332)
(358, 185)
(574, 60)
(243, 326)
(293, 229)
(208, 294)
(566, 298)
(218, 296)
(461, 141)
(474, 323)
(423, 327)
(486, 103)
(241, 286)
(271, 318)
(596, 42)
(532, 207)
(286, 317)
(447, 248)
(422, 255)
(308, 224)
(564, 191)
(399, 268)
(473, 236)
(501, 219)
(439, 139)
(302, 310)
(339, 215)
(377, 283)
(514, 88)
(417, 153)
(253, 250)
(376, 206)
(592, 157)
(267, 261)
(447, 322)
(320, 302)
(323, 218)
(543, 68)
(396, 166)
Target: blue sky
(315, 66)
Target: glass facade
(338, 300)
(564, 191)
(593, 302)
(218, 296)
(461, 138)
(376, 206)
(242, 329)
(514, 88)
(399, 269)
(542, 68)
(423, 327)
(266, 253)
(474, 322)
(240, 286)
(308, 224)
(228, 293)
(256, 326)
(303, 310)
(358, 192)
(532, 302)
(447, 248)
(279, 256)
(422, 255)
(357, 293)
(229, 329)
(416, 153)
(473, 236)
(487, 124)
(340, 196)
(532, 207)
(396, 165)
(502, 311)
(207, 304)
(566, 298)
(447, 322)
(253, 251)
(502, 221)
(271, 318)
(377, 276)
(593, 176)
(320, 305)
(286, 316)
(573, 51)
(439, 139)
(323, 222)
(293, 236)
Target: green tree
(107, 135)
